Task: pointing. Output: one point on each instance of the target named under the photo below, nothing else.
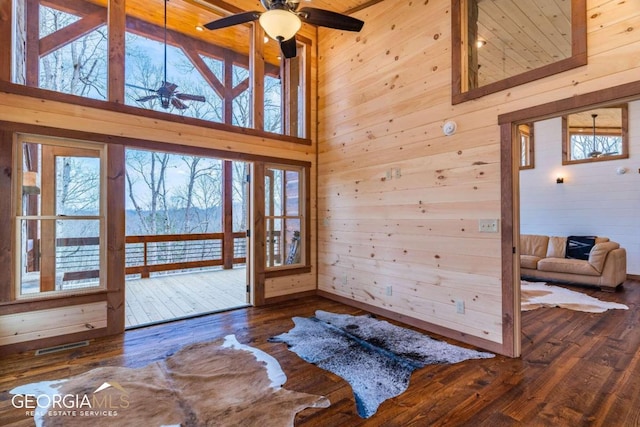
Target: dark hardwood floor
(577, 369)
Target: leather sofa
(543, 258)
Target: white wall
(594, 199)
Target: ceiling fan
(167, 93)
(596, 153)
(282, 20)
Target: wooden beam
(72, 32)
(6, 35)
(239, 88)
(257, 67)
(202, 67)
(33, 44)
(258, 233)
(228, 97)
(116, 73)
(6, 214)
(227, 194)
(115, 257)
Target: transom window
(225, 76)
(595, 135)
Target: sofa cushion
(578, 247)
(529, 261)
(557, 247)
(567, 265)
(533, 244)
(598, 254)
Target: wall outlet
(389, 291)
(460, 306)
(488, 225)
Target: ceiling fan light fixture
(280, 24)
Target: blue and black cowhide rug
(375, 357)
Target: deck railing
(78, 258)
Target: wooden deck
(178, 296)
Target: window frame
(526, 141)
(566, 140)
(115, 84)
(302, 217)
(17, 215)
(459, 19)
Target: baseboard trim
(421, 324)
(288, 297)
(633, 277)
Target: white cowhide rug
(539, 294)
(218, 383)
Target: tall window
(525, 136)
(59, 216)
(285, 233)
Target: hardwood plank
(576, 368)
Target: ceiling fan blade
(140, 87)
(329, 19)
(188, 97)
(228, 21)
(178, 104)
(288, 48)
(146, 98)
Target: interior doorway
(186, 236)
(511, 155)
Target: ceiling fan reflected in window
(596, 153)
(167, 93)
(282, 20)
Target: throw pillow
(578, 247)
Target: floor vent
(63, 347)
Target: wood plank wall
(399, 202)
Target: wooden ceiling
(184, 16)
(521, 35)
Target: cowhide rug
(219, 383)
(375, 357)
(538, 294)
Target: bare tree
(80, 67)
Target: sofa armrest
(615, 269)
(599, 253)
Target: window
(500, 44)
(68, 54)
(224, 76)
(595, 135)
(285, 223)
(59, 217)
(525, 136)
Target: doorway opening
(186, 236)
(511, 165)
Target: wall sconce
(560, 180)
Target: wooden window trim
(566, 141)
(578, 55)
(59, 147)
